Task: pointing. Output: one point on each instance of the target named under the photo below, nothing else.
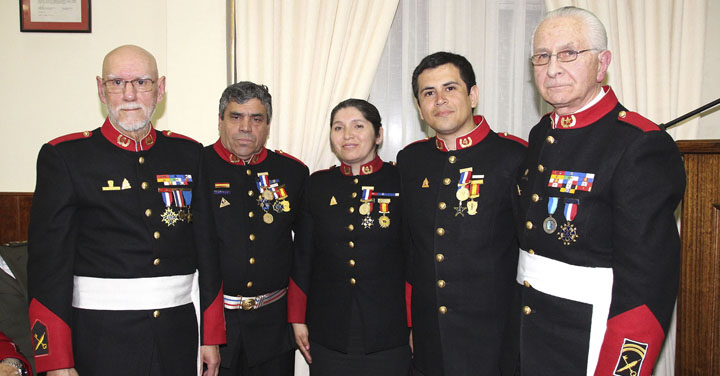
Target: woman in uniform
(347, 290)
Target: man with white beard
(111, 246)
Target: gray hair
(244, 91)
(594, 29)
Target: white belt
(127, 294)
(578, 283)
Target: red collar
(124, 142)
(229, 157)
(368, 168)
(588, 116)
(473, 138)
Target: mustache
(131, 106)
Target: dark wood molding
(15, 209)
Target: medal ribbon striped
(571, 208)
(367, 193)
(552, 205)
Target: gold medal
(472, 206)
(384, 221)
(268, 195)
(365, 208)
(462, 194)
(285, 205)
(268, 218)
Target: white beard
(130, 126)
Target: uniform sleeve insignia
(637, 120)
(70, 137)
(631, 358)
(40, 339)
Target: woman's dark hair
(368, 111)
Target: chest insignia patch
(425, 183)
(333, 201)
(224, 202)
(125, 184)
(570, 181)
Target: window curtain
(656, 70)
(312, 55)
(493, 35)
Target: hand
(8, 370)
(63, 372)
(301, 338)
(210, 356)
(412, 350)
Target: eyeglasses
(562, 56)
(117, 85)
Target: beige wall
(47, 80)
(710, 122)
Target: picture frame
(60, 16)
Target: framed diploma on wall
(64, 16)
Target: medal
(277, 206)
(384, 221)
(550, 224)
(472, 207)
(384, 209)
(267, 195)
(475, 183)
(169, 217)
(462, 194)
(285, 205)
(367, 222)
(365, 208)
(568, 232)
(268, 218)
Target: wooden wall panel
(14, 216)
(698, 317)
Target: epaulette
(637, 120)
(417, 141)
(71, 137)
(172, 134)
(280, 152)
(514, 138)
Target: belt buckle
(248, 304)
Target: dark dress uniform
(463, 249)
(600, 253)
(349, 274)
(251, 211)
(14, 321)
(101, 225)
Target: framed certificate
(65, 16)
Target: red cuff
(214, 322)
(52, 339)
(297, 303)
(408, 301)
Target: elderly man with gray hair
(600, 252)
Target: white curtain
(656, 70)
(311, 54)
(494, 35)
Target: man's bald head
(129, 54)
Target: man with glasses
(248, 206)
(599, 265)
(112, 259)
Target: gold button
(535, 197)
(351, 210)
(527, 310)
(252, 261)
(251, 214)
(351, 244)
(622, 114)
(156, 314)
(527, 171)
(531, 251)
(441, 283)
(550, 139)
(442, 205)
(446, 181)
(440, 257)
(452, 159)
(141, 160)
(350, 227)
(351, 263)
(156, 262)
(248, 172)
(541, 168)
(442, 309)
(355, 181)
(144, 185)
(249, 284)
(148, 212)
(252, 237)
(353, 195)
(156, 235)
(440, 231)
(528, 225)
(251, 193)
(353, 281)
(526, 283)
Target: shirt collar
(603, 103)
(470, 139)
(368, 168)
(229, 157)
(126, 143)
